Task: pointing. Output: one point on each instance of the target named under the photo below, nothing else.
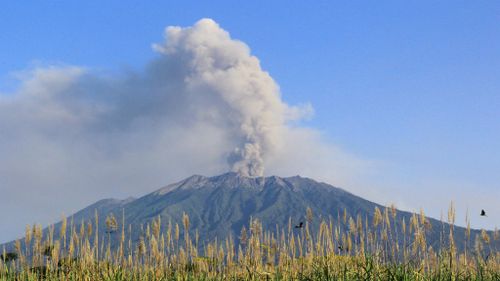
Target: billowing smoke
(220, 68)
(70, 136)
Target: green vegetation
(367, 250)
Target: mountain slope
(222, 205)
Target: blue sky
(412, 85)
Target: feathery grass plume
(359, 224)
(62, 230)
(337, 251)
(485, 236)
(157, 226)
(89, 229)
(467, 235)
(394, 210)
(96, 237)
(18, 250)
(27, 238)
(36, 252)
(309, 215)
(451, 214)
(50, 234)
(177, 232)
(387, 220)
(403, 226)
(352, 226)
(111, 223)
(377, 217)
(478, 245)
(422, 216)
(185, 223)
(122, 238)
(243, 236)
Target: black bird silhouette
(341, 248)
(483, 213)
(110, 231)
(300, 225)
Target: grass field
(365, 251)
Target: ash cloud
(221, 69)
(70, 136)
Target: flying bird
(483, 213)
(299, 225)
(111, 231)
(341, 248)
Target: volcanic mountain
(221, 205)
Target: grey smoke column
(223, 69)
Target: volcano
(222, 205)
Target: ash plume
(223, 69)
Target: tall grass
(380, 249)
